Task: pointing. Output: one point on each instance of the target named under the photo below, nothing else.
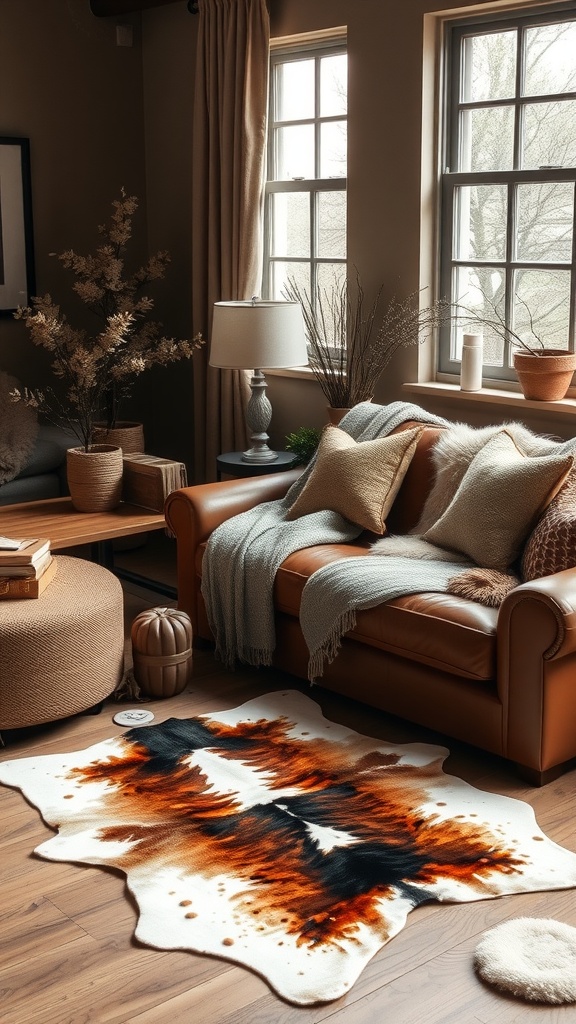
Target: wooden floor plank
(210, 1002)
(67, 951)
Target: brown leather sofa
(501, 679)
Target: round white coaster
(530, 957)
(135, 716)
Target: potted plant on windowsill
(351, 344)
(544, 373)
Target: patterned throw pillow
(500, 496)
(551, 547)
(359, 480)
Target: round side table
(232, 464)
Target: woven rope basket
(62, 652)
(162, 651)
(95, 477)
(128, 436)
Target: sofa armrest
(537, 664)
(192, 513)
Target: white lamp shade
(258, 335)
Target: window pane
(331, 277)
(295, 152)
(333, 85)
(333, 149)
(544, 216)
(550, 59)
(487, 139)
(549, 134)
(479, 292)
(290, 217)
(542, 306)
(294, 93)
(480, 222)
(331, 211)
(489, 67)
(281, 270)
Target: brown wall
(66, 86)
(100, 116)
(164, 394)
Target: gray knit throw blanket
(244, 553)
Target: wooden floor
(67, 955)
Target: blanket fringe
(255, 656)
(332, 644)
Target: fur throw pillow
(452, 455)
(486, 586)
(18, 431)
(399, 546)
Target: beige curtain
(229, 142)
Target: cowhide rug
(282, 841)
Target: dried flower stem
(99, 371)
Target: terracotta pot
(335, 415)
(127, 435)
(545, 378)
(95, 477)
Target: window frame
(300, 49)
(454, 32)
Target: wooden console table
(57, 519)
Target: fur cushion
(18, 431)
(359, 480)
(486, 586)
(399, 546)
(498, 500)
(551, 547)
(530, 957)
(452, 455)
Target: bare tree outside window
(508, 203)
(305, 211)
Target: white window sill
(513, 400)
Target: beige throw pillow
(500, 496)
(359, 480)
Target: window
(305, 211)
(508, 237)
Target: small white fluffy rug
(530, 957)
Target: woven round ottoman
(62, 652)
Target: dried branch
(351, 346)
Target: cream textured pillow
(500, 496)
(359, 480)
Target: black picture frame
(17, 282)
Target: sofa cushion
(441, 630)
(359, 480)
(551, 547)
(500, 496)
(49, 452)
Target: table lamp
(250, 336)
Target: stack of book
(26, 567)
